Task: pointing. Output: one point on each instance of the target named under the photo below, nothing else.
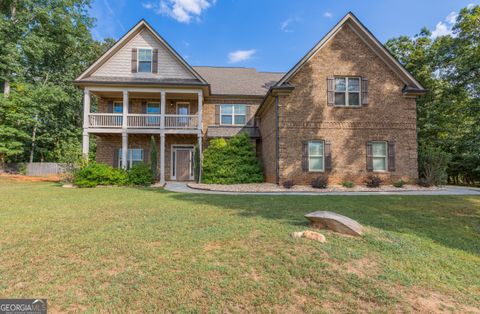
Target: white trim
(94, 88)
(346, 78)
(323, 155)
(173, 149)
(151, 59)
(386, 156)
(233, 114)
(126, 37)
(362, 31)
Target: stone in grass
(310, 235)
(335, 222)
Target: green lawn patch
(142, 249)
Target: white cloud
(444, 28)
(471, 5)
(181, 10)
(328, 14)
(285, 25)
(240, 55)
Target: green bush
(94, 174)
(373, 181)
(230, 162)
(348, 184)
(140, 174)
(398, 184)
(433, 163)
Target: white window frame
(316, 156)
(129, 157)
(233, 114)
(346, 92)
(182, 103)
(120, 104)
(380, 156)
(173, 160)
(138, 59)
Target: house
(346, 109)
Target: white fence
(44, 168)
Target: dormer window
(145, 60)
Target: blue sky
(270, 35)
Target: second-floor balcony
(142, 121)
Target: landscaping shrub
(424, 182)
(433, 163)
(288, 184)
(398, 184)
(230, 162)
(348, 184)
(95, 174)
(140, 174)
(373, 181)
(320, 182)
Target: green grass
(147, 250)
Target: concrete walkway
(182, 187)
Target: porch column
(200, 110)
(124, 149)
(162, 158)
(85, 144)
(200, 156)
(162, 110)
(86, 107)
(125, 109)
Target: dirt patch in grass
(23, 178)
(435, 302)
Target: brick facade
(305, 115)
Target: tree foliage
(449, 115)
(43, 47)
(230, 162)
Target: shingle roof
(238, 81)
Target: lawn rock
(335, 222)
(310, 235)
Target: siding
(119, 65)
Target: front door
(183, 164)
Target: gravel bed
(270, 187)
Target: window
(233, 114)
(347, 91)
(316, 161)
(117, 107)
(153, 108)
(379, 156)
(145, 60)
(134, 156)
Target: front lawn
(147, 250)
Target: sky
(269, 35)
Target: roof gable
(351, 20)
(116, 62)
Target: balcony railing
(142, 121)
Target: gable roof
(369, 40)
(125, 38)
(238, 81)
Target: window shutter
(155, 61)
(110, 106)
(369, 156)
(328, 156)
(146, 155)
(144, 107)
(217, 114)
(130, 107)
(134, 60)
(115, 157)
(330, 90)
(364, 91)
(305, 156)
(391, 156)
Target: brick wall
(304, 114)
(268, 133)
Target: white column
(200, 110)
(124, 150)
(162, 158)
(162, 110)
(85, 144)
(200, 158)
(86, 107)
(125, 109)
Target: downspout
(277, 144)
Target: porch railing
(142, 121)
(105, 120)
